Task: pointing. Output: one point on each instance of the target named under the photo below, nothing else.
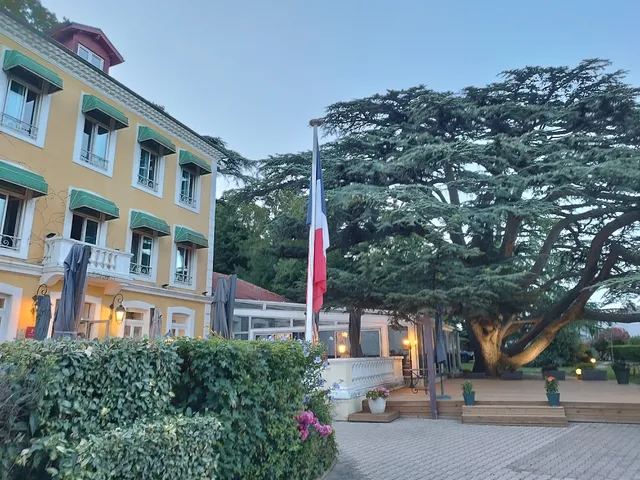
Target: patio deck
(590, 401)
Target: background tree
(33, 13)
(509, 205)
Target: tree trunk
(488, 352)
(355, 327)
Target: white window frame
(96, 313)
(13, 295)
(159, 170)
(193, 269)
(153, 278)
(42, 115)
(195, 208)
(90, 55)
(190, 325)
(99, 220)
(25, 223)
(68, 218)
(77, 147)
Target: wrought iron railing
(148, 182)
(93, 159)
(137, 269)
(12, 243)
(184, 278)
(19, 126)
(188, 200)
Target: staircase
(529, 415)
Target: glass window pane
(152, 166)
(76, 227)
(86, 136)
(147, 244)
(96, 60)
(91, 232)
(29, 112)
(144, 163)
(15, 100)
(11, 217)
(101, 141)
(127, 331)
(396, 341)
(370, 341)
(137, 332)
(83, 52)
(328, 339)
(135, 247)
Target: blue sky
(254, 72)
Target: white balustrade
(104, 262)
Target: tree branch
(600, 316)
(510, 235)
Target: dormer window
(90, 56)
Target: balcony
(107, 267)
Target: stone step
(527, 415)
(385, 417)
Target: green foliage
(467, 387)
(635, 340)
(33, 13)
(108, 409)
(628, 353)
(563, 350)
(585, 366)
(551, 385)
(256, 390)
(608, 336)
(173, 446)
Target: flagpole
(308, 326)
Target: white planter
(378, 405)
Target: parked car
(467, 357)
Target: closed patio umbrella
(43, 316)
(74, 287)
(231, 302)
(156, 324)
(220, 324)
(441, 349)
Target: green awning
(193, 162)
(31, 71)
(92, 204)
(186, 235)
(23, 178)
(104, 113)
(148, 223)
(153, 140)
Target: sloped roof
(249, 291)
(68, 28)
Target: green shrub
(168, 448)
(256, 390)
(627, 353)
(585, 366)
(635, 340)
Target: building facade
(83, 159)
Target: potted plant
(551, 370)
(621, 369)
(468, 394)
(377, 399)
(587, 371)
(553, 393)
(512, 374)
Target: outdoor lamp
(593, 360)
(120, 311)
(578, 371)
(342, 348)
(407, 343)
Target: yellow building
(83, 159)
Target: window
(21, 109)
(133, 325)
(95, 140)
(148, 169)
(188, 188)
(85, 229)
(142, 249)
(184, 256)
(11, 208)
(179, 325)
(90, 57)
(240, 328)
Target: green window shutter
(104, 113)
(92, 204)
(32, 72)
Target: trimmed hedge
(628, 353)
(129, 408)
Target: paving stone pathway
(417, 449)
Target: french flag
(318, 232)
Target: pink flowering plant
(308, 422)
(378, 392)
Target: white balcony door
(4, 312)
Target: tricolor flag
(318, 232)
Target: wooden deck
(600, 402)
